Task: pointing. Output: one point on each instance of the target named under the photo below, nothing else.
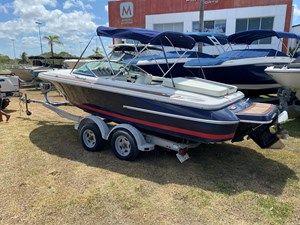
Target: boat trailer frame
(145, 142)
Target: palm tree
(97, 54)
(52, 39)
(24, 58)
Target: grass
(46, 177)
(275, 211)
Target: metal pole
(201, 22)
(82, 54)
(106, 55)
(39, 24)
(14, 49)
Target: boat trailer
(126, 140)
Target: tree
(97, 54)
(52, 39)
(4, 59)
(24, 58)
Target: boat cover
(247, 37)
(232, 55)
(148, 36)
(203, 37)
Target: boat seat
(143, 80)
(200, 86)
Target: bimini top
(203, 37)
(247, 37)
(133, 48)
(145, 36)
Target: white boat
(286, 76)
(186, 110)
(289, 77)
(9, 86)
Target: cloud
(54, 21)
(72, 26)
(68, 5)
(106, 8)
(4, 8)
(30, 41)
(77, 4)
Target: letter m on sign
(126, 10)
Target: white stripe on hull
(179, 116)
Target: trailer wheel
(91, 138)
(124, 146)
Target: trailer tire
(123, 145)
(90, 137)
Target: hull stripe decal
(180, 116)
(161, 126)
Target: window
(215, 26)
(256, 24)
(178, 27)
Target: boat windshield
(102, 68)
(118, 56)
(128, 55)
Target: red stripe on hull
(161, 126)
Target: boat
(9, 86)
(25, 72)
(70, 63)
(5, 72)
(288, 76)
(120, 52)
(182, 109)
(244, 68)
(158, 63)
(127, 51)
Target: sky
(75, 21)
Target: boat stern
(260, 122)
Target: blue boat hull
(112, 106)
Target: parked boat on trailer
(151, 110)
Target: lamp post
(201, 22)
(39, 26)
(14, 49)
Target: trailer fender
(141, 142)
(104, 130)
